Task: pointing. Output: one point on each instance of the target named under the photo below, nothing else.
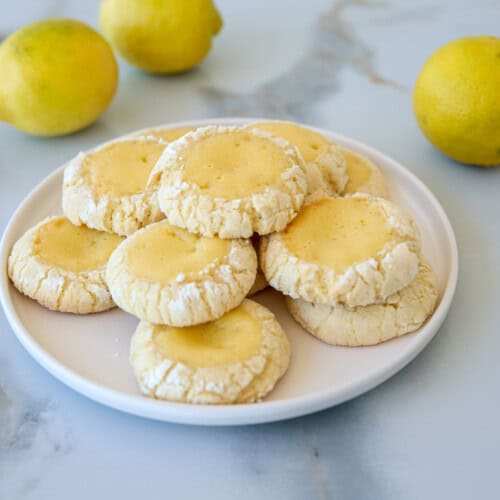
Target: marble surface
(429, 432)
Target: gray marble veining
(334, 46)
(32, 435)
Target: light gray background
(430, 432)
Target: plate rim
(239, 414)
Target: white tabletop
(429, 432)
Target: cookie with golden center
(364, 176)
(237, 358)
(62, 266)
(107, 189)
(325, 164)
(403, 312)
(230, 182)
(166, 275)
(355, 250)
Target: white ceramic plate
(90, 353)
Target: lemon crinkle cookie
(166, 275)
(230, 182)
(237, 358)
(107, 189)
(62, 266)
(356, 250)
(404, 312)
(326, 166)
(364, 176)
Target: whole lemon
(56, 76)
(161, 36)
(456, 100)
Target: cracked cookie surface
(236, 359)
(364, 176)
(404, 312)
(107, 189)
(164, 133)
(356, 250)
(230, 182)
(326, 166)
(62, 266)
(166, 275)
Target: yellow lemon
(161, 36)
(56, 76)
(456, 100)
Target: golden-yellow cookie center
(169, 135)
(310, 143)
(234, 165)
(234, 337)
(358, 171)
(122, 168)
(162, 253)
(74, 248)
(338, 232)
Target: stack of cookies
(167, 225)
